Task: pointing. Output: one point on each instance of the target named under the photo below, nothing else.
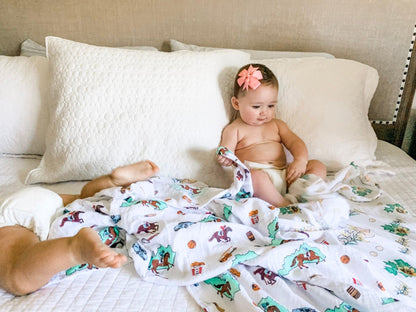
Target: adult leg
(264, 189)
(27, 264)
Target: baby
(257, 138)
(27, 263)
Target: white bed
(64, 121)
(99, 290)
(104, 289)
(401, 185)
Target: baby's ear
(235, 103)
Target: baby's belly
(264, 153)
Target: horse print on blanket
(234, 252)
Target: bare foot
(284, 203)
(126, 175)
(88, 248)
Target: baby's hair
(268, 79)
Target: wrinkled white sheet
(116, 289)
(235, 252)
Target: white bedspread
(123, 290)
(238, 253)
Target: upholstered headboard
(378, 33)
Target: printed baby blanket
(234, 252)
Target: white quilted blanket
(238, 253)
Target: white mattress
(121, 289)
(97, 290)
(402, 185)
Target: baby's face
(257, 106)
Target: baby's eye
(271, 105)
(256, 106)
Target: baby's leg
(121, 176)
(126, 175)
(317, 168)
(26, 264)
(68, 198)
(264, 189)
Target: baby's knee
(16, 284)
(316, 167)
(115, 174)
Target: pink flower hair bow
(249, 78)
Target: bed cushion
(111, 107)
(325, 102)
(23, 95)
(32, 48)
(176, 45)
(23, 113)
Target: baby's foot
(88, 248)
(126, 175)
(284, 203)
(291, 198)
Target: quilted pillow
(24, 87)
(111, 107)
(23, 113)
(255, 54)
(325, 102)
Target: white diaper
(32, 207)
(276, 174)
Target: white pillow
(255, 54)
(111, 107)
(32, 48)
(23, 113)
(325, 102)
(23, 95)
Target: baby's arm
(298, 149)
(229, 139)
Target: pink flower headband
(249, 78)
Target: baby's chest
(258, 135)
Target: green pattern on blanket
(234, 252)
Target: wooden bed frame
(378, 33)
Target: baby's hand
(223, 161)
(295, 170)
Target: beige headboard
(379, 33)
